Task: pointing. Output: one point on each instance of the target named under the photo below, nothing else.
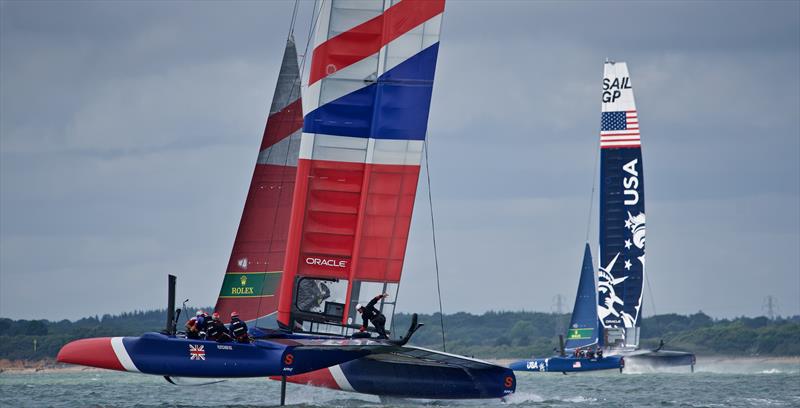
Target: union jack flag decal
(197, 352)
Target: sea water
(713, 384)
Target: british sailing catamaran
(326, 222)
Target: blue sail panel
(583, 324)
(396, 106)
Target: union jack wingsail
(620, 274)
(366, 113)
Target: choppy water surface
(731, 384)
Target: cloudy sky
(128, 133)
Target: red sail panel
(386, 222)
(252, 278)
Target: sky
(129, 130)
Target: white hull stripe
(122, 355)
(339, 377)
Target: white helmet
(359, 306)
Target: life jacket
(239, 329)
(215, 330)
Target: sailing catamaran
(620, 276)
(580, 353)
(607, 311)
(326, 222)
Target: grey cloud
(128, 133)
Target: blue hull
(360, 365)
(413, 372)
(663, 358)
(401, 380)
(158, 354)
(569, 364)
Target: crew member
(201, 320)
(191, 329)
(217, 331)
(370, 314)
(239, 329)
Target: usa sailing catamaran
(620, 276)
(580, 351)
(607, 311)
(326, 222)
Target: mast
(254, 271)
(366, 114)
(622, 212)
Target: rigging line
(644, 272)
(591, 197)
(650, 292)
(296, 84)
(314, 20)
(435, 252)
(294, 17)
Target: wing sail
(254, 270)
(367, 103)
(622, 214)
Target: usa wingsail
(620, 275)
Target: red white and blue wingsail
(622, 214)
(366, 111)
(254, 270)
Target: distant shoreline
(51, 366)
(703, 360)
(39, 366)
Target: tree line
(495, 334)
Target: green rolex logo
(250, 284)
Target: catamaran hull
(569, 364)
(662, 359)
(406, 380)
(158, 354)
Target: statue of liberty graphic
(610, 309)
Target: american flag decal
(197, 352)
(620, 129)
